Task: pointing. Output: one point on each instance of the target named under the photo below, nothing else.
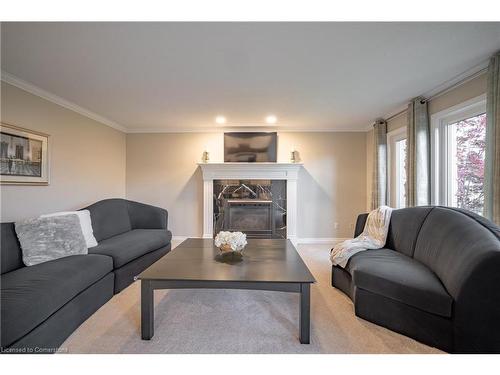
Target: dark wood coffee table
(196, 263)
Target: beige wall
(87, 159)
(90, 161)
(471, 89)
(162, 170)
(397, 122)
(460, 94)
(331, 186)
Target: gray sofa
(42, 305)
(437, 279)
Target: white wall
(87, 159)
(162, 170)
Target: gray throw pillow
(49, 238)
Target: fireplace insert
(254, 207)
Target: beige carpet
(233, 321)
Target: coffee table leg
(305, 312)
(147, 310)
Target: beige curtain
(492, 161)
(418, 154)
(379, 178)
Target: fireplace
(270, 201)
(254, 207)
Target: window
(396, 142)
(458, 149)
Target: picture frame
(24, 156)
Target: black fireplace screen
(255, 207)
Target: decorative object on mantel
(231, 241)
(294, 156)
(206, 156)
(24, 156)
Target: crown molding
(279, 129)
(35, 90)
(442, 89)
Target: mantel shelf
(284, 171)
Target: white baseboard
(321, 240)
(298, 240)
(181, 238)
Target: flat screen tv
(256, 147)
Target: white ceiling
(179, 76)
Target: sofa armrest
(477, 306)
(360, 224)
(144, 216)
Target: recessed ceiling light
(220, 120)
(271, 119)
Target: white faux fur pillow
(85, 223)
(49, 238)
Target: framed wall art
(24, 156)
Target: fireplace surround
(251, 174)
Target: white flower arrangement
(235, 240)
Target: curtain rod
(458, 83)
(444, 91)
(396, 115)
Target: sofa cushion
(453, 242)
(131, 245)
(109, 217)
(404, 228)
(401, 278)
(144, 216)
(30, 295)
(10, 249)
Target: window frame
(393, 137)
(441, 173)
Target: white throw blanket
(373, 237)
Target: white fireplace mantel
(256, 171)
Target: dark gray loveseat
(42, 305)
(437, 280)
